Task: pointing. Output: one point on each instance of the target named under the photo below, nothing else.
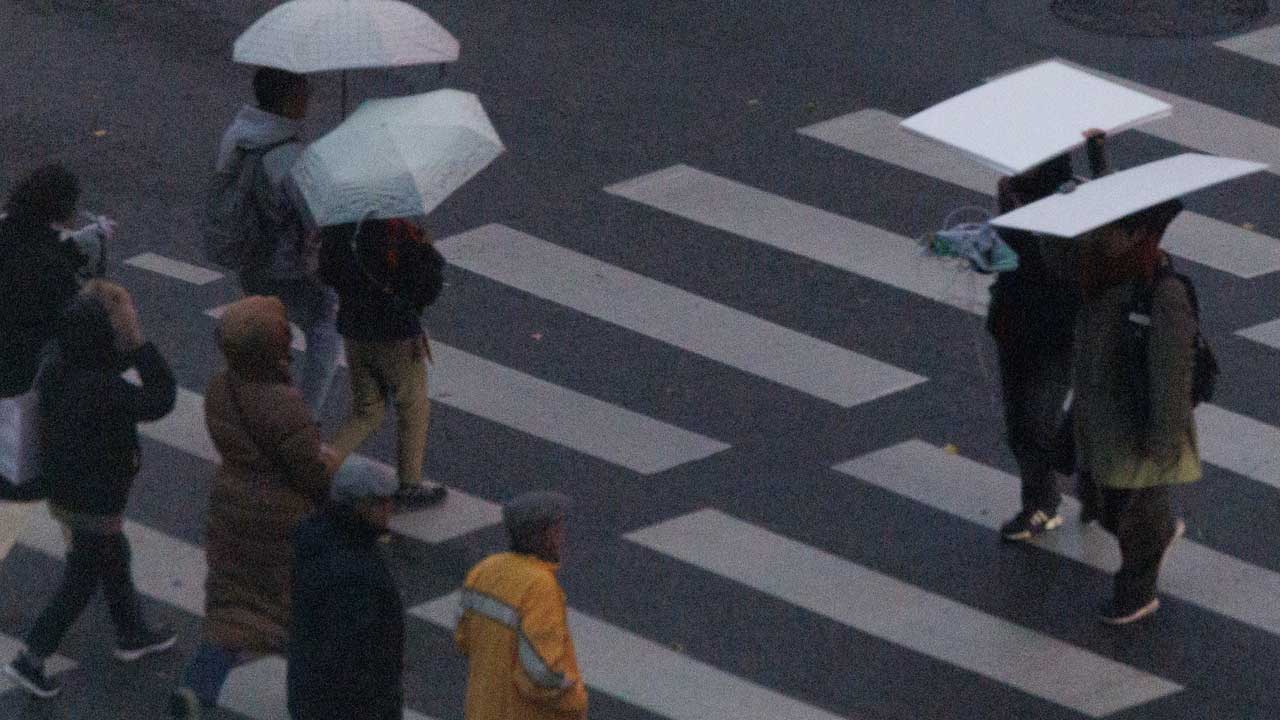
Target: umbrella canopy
(396, 157)
(305, 36)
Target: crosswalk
(1033, 666)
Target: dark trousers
(94, 558)
(1143, 523)
(1034, 384)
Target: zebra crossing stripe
(807, 231)
(176, 269)
(460, 514)
(1267, 333)
(877, 134)
(985, 496)
(674, 316)
(10, 646)
(1261, 44)
(1204, 127)
(258, 690)
(880, 605)
(556, 414)
(1239, 443)
(652, 676)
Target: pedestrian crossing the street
(663, 682)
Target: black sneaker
(1029, 524)
(146, 642)
(1113, 614)
(30, 675)
(424, 494)
(184, 705)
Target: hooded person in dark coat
(346, 641)
(89, 416)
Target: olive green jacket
(1123, 444)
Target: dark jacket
(37, 279)
(346, 640)
(89, 414)
(381, 297)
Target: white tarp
(1020, 120)
(1109, 198)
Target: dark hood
(85, 338)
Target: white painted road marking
(807, 231)
(898, 612)
(674, 316)
(874, 133)
(985, 496)
(186, 272)
(1261, 44)
(651, 676)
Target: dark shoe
(34, 489)
(147, 642)
(30, 675)
(1029, 524)
(1113, 614)
(184, 705)
(1089, 513)
(424, 494)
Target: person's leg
(368, 398)
(404, 365)
(135, 637)
(80, 580)
(1033, 387)
(413, 412)
(1145, 529)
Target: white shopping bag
(19, 435)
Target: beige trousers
(382, 372)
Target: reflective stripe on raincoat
(514, 630)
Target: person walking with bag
(346, 639)
(256, 226)
(274, 472)
(386, 272)
(1133, 379)
(91, 455)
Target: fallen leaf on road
(99, 133)
(951, 449)
(753, 101)
(536, 336)
(1249, 226)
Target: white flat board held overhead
(1022, 119)
(1112, 197)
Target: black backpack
(235, 231)
(1204, 371)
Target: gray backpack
(236, 231)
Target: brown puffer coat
(274, 472)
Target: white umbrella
(306, 36)
(396, 157)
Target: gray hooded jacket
(292, 256)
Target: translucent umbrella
(396, 157)
(306, 36)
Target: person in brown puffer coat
(274, 472)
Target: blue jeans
(313, 308)
(208, 670)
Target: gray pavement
(758, 576)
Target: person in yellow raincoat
(513, 628)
